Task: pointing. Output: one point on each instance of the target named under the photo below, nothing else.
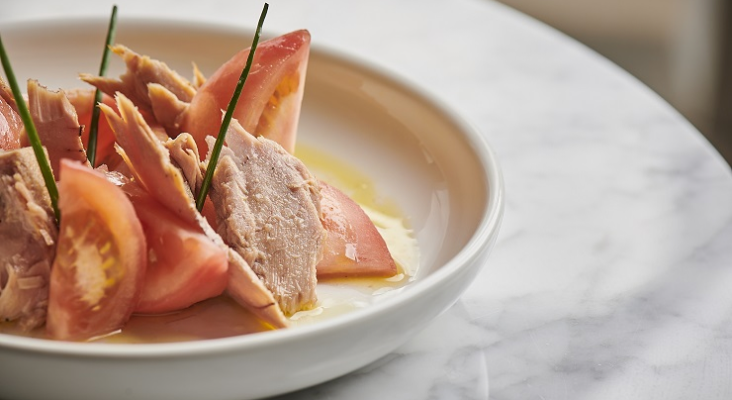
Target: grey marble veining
(611, 278)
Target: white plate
(437, 169)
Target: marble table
(609, 279)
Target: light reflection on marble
(611, 277)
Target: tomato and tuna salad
(130, 239)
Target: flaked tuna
(268, 210)
(28, 235)
(166, 108)
(150, 162)
(184, 155)
(57, 124)
(142, 71)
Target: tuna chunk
(268, 210)
(150, 162)
(142, 71)
(198, 78)
(28, 235)
(57, 124)
(184, 155)
(166, 108)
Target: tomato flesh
(184, 266)
(353, 247)
(11, 126)
(100, 258)
(270, 100)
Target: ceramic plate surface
(418, 155)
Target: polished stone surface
(611, 278)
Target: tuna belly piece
(27, 239)
(268, 210)
(57, 124)
(142, 71)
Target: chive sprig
(91, 148)
(206, 185)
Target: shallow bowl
(419, 154)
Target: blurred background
(679, 48)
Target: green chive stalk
(91, 148)
(206, 185)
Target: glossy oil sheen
(221, 317)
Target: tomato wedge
(270, 101)
(184, 266)
(353, 247)
(11, 126)
(100, 259)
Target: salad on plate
(125, 241)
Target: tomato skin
(100, 259)
(184, 266)
(270, 100)
(353, 247)
(11, 126)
